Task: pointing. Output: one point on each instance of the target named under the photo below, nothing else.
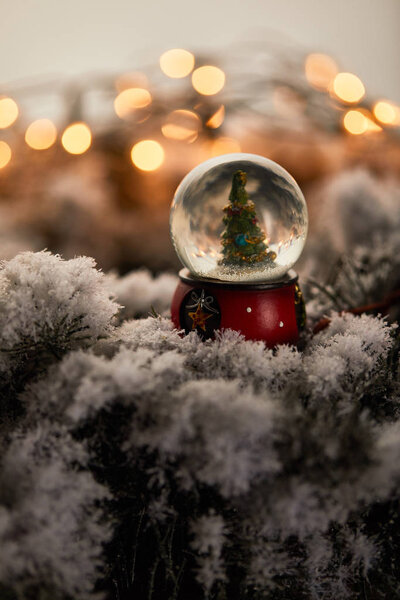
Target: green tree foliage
(243, 240)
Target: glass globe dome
(240, 218)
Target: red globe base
(272, 312)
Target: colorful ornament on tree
(238, 255)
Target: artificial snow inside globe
(238, 224)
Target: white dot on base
(248, 309)
(281, 324)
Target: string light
(131, 99)
(8, 112)
(348, 87)
(360, 121)
(224, 145)
(386, 112)
(182, 125)
(208, 80)
(177, 63)
(76, 138)
(5, 154)
(355, 122)
(320, 70)
(217, 118)
(147, 155)
(41, 134)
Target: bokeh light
(386, 112)
(147, 155)
(208, 80)
(355, 122)
(217, 118)
(373, 127)
(76, 138)
(8, 112)
(360, 121)
(182, 125)
(5, 154)
(41, 134)
(348, 87)
(224, 145)
(320, 70)
(177, 63)
(131, 99)
(132, 79)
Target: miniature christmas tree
(243, 239)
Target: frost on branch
(49, 306)
(51, 535)
(276, 454)
(139, 293)
(228, 356)
(347, 357)
(208, 542)
(149, 465)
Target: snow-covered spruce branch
(140, 463)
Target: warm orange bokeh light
(182, 125)
(208, 80)
(131, 79)
(387, 113)
(320, 69)
(373, 127)
(224, 145)
(217, 118)
(131, 99)
(348, 87)
(76, 138)
(359, 121)
(147, 155)
(8, 112)
(177, 63)
(41, 134)
(5, 154)
(355, 122)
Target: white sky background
(65, 38)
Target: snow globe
(238, 224)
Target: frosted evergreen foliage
(51, 529)
(49, 306)
(139, 463)
(139, 293)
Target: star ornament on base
(199, 318)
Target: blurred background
(105, 106)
